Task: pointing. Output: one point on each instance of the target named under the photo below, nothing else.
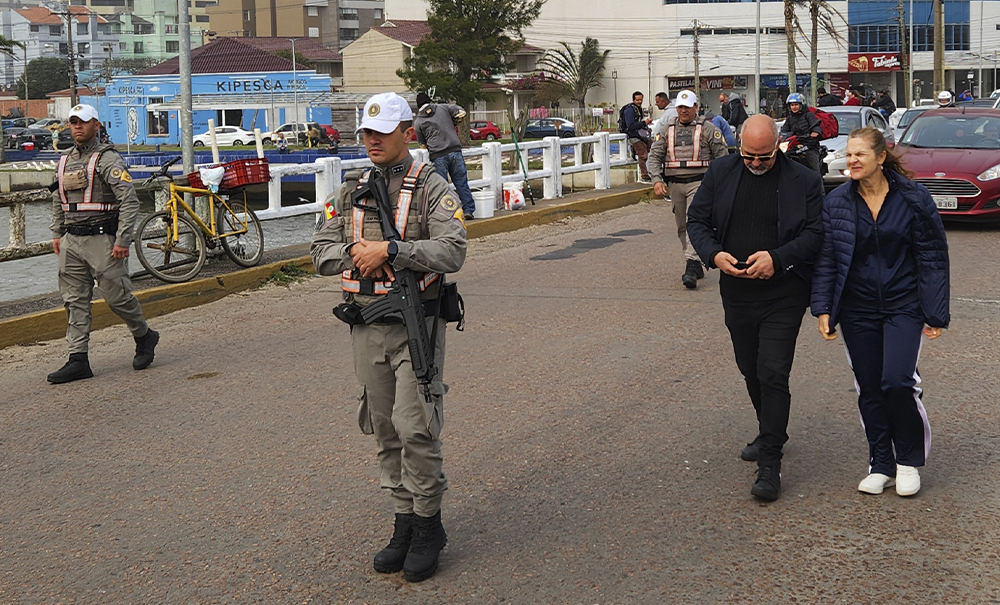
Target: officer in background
(391, 405)
(94, 209)
(678, 161)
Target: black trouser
(764, 336)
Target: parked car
(955, 153)
(331, 133)
(15, 137)
(906, 119)
(480, 130)
(549, 127)
(270, 137)
(24, 122)
(848, 118)
(51, 123)
(225, 135)
(7, 123)
(64, 140)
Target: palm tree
(792, 25)
(576, 73)
(7, 49)
(822, 14)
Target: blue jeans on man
(454, 164)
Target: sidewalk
(42, 317)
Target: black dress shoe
(751, 452)
(767, 487)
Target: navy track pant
(883, 349)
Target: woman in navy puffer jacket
(882, 274)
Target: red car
(331, 132)
(484, 130)
(955, 153)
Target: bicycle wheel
(247, 248)
(169, 257)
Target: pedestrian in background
(391, 402)
(724, 106)
(639, 134)
(756, 217)
(435, 127)
(882, 275)
(677, 163)
(853, 97)
(826, 99)
(737, 112)
(94, 210)
(659, 127)
(281, 143)
(945, 99)
(723, 126)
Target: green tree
(792, 25)
(299, 58)
(45, 75)
(469, 43)
(576, 73)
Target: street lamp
(614, 77)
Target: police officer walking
(407, 427)
(94, 209)
(678, 161)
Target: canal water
(38, 275)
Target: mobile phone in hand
(742, 266)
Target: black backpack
(622, 125)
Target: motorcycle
(796, 151)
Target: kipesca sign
(861, 62)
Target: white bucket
(485, 203)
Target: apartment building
(334, 23)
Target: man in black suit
(757, 218)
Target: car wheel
(491, 137)
(266, 141)
(237, 143)
(566, 134)
(199, 144)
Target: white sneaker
(875, 483)
(907, 480)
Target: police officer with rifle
(392, 233)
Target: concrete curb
(48, 325)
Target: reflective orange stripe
(347, 282)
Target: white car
(225, 136)
(848, 118)
(906, 119)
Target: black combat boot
(77, 368)
(690, 277)
(390, 559)
(699, 270)
(428, 540)
(144, 346)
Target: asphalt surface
(592, 436)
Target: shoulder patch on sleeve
(448, 205)
(718, 134)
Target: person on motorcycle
(884, 104)
(805, 127)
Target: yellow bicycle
(172, 244)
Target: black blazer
(800, 209)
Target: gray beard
(758, 171)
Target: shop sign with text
(861, 62)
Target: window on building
(205, 3)
(173, 46)
(82, 48)
(63, 49)
(123, 46)
(34, 28)
(83, 66)
(885, 38)
(312, 11)
(246, 15)
(314, 32)
(171, 29)
(201, 18)
(349, 14)
(82, 29)
(348, 34)
(157, 122)
(378, 13)
(137, 48)
(107, 2)
(55, 30)
(733, 31)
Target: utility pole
(938, 46)
(295, 92)
(184, 60)
(903, 54)
(649, 76)
(697, 78)
(73, 99)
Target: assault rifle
(403, 298)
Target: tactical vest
(683, 147)
(372, 231)
(81, 200)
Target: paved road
(592, 439)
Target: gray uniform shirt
(113, 182)
(712, 146)
(435, 125)
(443, 252)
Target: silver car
(849, 118)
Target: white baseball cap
(944, 95)
(686, 98)
(84, 112)
(384, 112)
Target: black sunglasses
(750, 157)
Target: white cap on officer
(86, 113)
(384, 112)
(686, 98)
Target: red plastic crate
(239, 173)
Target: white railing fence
(559, 157)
